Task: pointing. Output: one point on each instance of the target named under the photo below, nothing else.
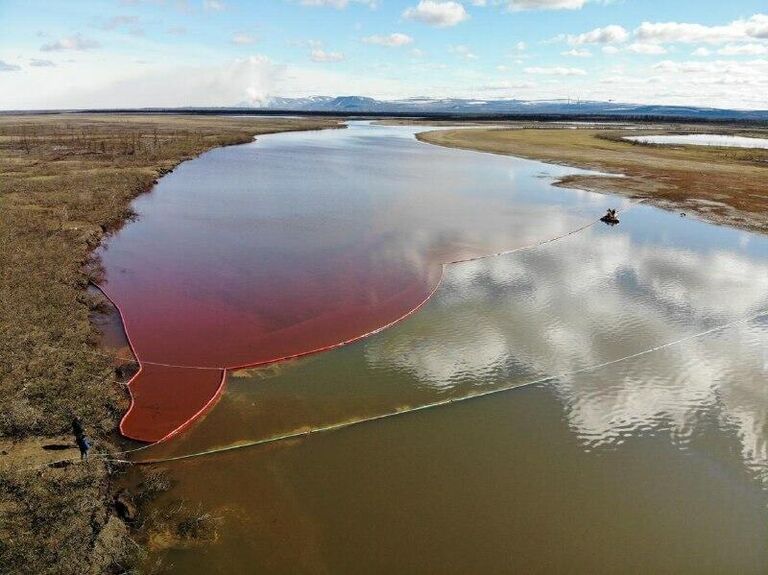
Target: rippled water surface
(650, 464)
(703, 140)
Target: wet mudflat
(652, 464)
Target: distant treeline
(722, 117)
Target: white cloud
(555, 71)
(118, 21)
(703, 77)
(744, 50)
(307, 43)
(6, 67)
(123, 83)
(38, 63)
(517, 5)
(708, 87)
(689, 67)
(757, 26)
(130, 23)
(754, 28)
(243, 39)
(577, 53)
(338, 4)
(214, 5)
(320, 55)
(701, 52)
(76, 42)
(728, 83)
(463, 51)
(436, 13)
(612, 34)
(507, 85)
(392, 40)
(642, 48)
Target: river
(653, 463)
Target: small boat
(610, 218)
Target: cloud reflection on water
(592, 299)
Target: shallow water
(703, 140)
(652, 464)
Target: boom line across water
(444, 402)
(225, 369)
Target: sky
(138, 53)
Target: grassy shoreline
(66, 182)
(720, 185)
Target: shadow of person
(57, 447)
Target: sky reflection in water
(651, 465)
(304, 240)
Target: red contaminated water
(192, 390)
(185, 344)
(294, 244)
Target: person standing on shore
(84, 445)
(80, 438)
(77, 427)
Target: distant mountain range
(567, 110)
(465, 107)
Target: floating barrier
(120, 457)
(212, 379)
(303, 433)
(112, 458)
